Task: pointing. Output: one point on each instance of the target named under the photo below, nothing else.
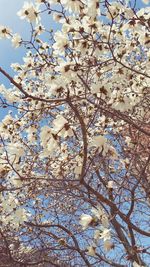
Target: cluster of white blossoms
(12, 213)
(101, 220)
(10, 94)
(68, 114)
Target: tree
(74, 155)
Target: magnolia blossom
(4, 169)
(135, 264)
(52, 145)
(61, 127)
(31, 133)
(91, 251)
(93, 8)
(11, 247)
(108, 245)
(29, 12)
(45, 135)
(101, 90)
(102, 234)
(101, 215)
(78, 169)
(16, 151)
(105, 234)
(16, 40)
(15, 181)
(61, 42)
(48, 141)
(96, 235)
(98, 141)
(58, 123)
(39, 29)
(10, 94)
(85, 220)
(7, 119)
(40, 1)
(5, 32)
(52, 1)
(12, 212)
(110, 185)
(4, 126)
(72, 5)
(122, 102)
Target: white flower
(52, 1)
(48, 141)
(52, 145)
(98, 141)
(93, 8)
(4, 170)
(110, 185)
(15, 66)
(31, 133)
(45, 135)
(59, 18)
(11, 246)
(59, 123)
(122, 103)
(61, 127)
(98, 212)
(97, 235)
(4, 32)
(8, 119)
(85, 220)
(15, 151)
(40, 1)
(16, 40)
(8, 94)
(91, 251)
(39, 29)
(100, 89)
(135, 264)
(72, 5)
(108, 245)
(78, 169)
(61, 41)
(29, 12)
(105, 234)
(104, 220)
(15, 181)
(101, 215)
